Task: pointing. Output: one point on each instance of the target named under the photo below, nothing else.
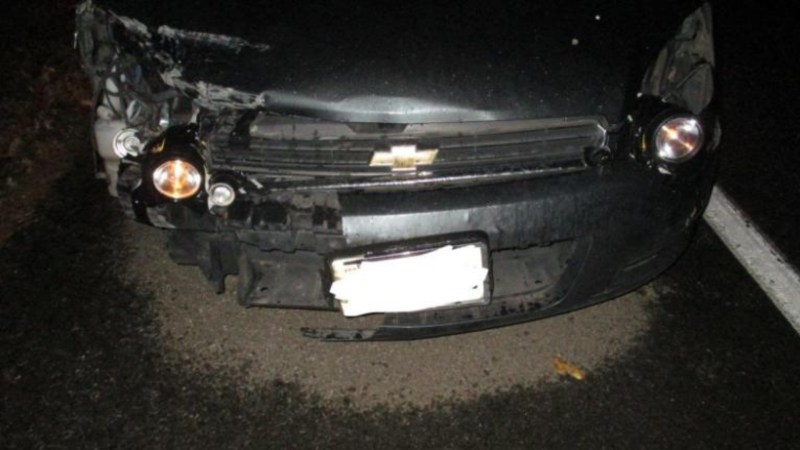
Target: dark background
(758, 92)
(80, 365)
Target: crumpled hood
(412, 61)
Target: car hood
(408, 61)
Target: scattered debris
(564, 368)
(220, 40)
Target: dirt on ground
(44, 112)
(208, 332)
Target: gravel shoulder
(203, 330)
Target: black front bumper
(557, 243)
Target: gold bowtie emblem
(403, 158)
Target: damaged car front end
(452, 170)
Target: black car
(452, 166)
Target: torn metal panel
(518, 62)
(160, 52)
(683, 72)
(211, 39)
(210, 96)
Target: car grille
(301, 153)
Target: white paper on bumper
(444, 277)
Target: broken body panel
(323, 131)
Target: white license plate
(446, 276)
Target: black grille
(332, 151)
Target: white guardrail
(776, 276)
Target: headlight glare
(177, 179)
(221, 194)
(679, 138)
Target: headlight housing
(678, 138)
(177, 179)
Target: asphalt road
(106, 343)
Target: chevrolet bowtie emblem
(403, 158)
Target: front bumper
(557, 243)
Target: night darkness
(84, 359)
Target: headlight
(678, 138)
(177, 179)
(221, 194)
